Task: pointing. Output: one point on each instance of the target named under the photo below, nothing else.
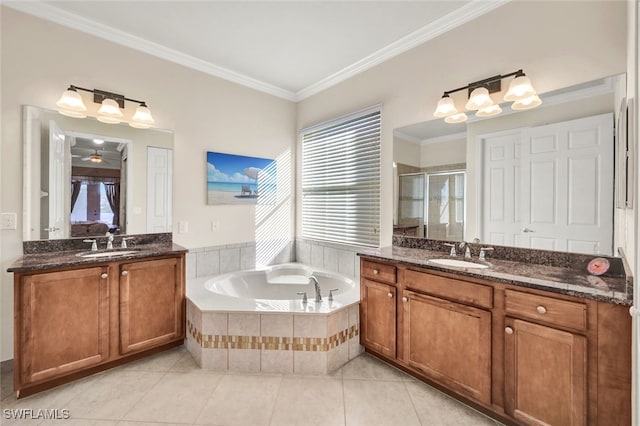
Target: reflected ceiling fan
(96, 157)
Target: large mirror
(541, 178)
(83, 178)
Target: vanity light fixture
(111, 105)
(520, 92)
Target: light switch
(8, 220)
(183, 226)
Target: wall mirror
(529, 176)
(83, 178)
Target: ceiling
(291, 49)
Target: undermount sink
(98, 254)
(457, 263)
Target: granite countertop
(58, 259)
(613, 288)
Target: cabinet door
(449, 342)
(151, 304)
(545, 374)
(62, 320)
(378, 320)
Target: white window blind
(341, 180)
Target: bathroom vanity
(79, 312)
(525, 343)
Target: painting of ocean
(237, 179)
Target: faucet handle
(123, 242)
(94, 246)
(483, 251)
(331, 293)
(453, 248)
(304, 296)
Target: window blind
(341, 180)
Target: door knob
(104, 276)
(541, 309)
(508, 330)
(376, 272)
(389, 295)
(405, 299)
(124, 273)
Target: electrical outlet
(8, 220)
(214, 226)
(183, 226)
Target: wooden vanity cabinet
(151, 304)
(62, 323)
(524, 356)
(378, 308)
(73, 322)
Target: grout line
(413, 403)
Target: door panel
(450, 342)
(379, 317)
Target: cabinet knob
(124, 273)
(508, 330)
(376, 272)
(541, 309)
(405, 299)
(104, 275)
(389, 295)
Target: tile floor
(170, 389)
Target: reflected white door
(159, 189)
(562, 186)
(59, 183)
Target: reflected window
(444, 205)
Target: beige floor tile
(113, 394)
(159, 363)
(378, 403)
(186, 363)
(242, 400)
(317, 402)
(177, 397)
(369, 368)
(437, 409)
(6, 383)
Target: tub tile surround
(273, 342)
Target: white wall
(442, 153)
(40, 59)
(558, 44)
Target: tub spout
(317, 285)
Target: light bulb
(519, 88)
(142, 118)
(71, 104)
(445, 107)
(109, 112)
(479, 99)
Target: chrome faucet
(467, 250)
(94, 245)
(123, 242)
(109, 236)
(452, 253)
(317, 285)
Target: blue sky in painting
(230, 168)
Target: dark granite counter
(613, 287)
(57, 259)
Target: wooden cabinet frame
(597, 333)
(67, 321)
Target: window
(341, 179)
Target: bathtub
(254, 320)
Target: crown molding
(406, 137)
(446, 23)
(444, 138)
(440, 26)
(78, 23)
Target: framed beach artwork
(236, 179)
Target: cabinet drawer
(461, 291)
(547, 309)
(378, 271)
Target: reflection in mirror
(540, 178)
(84, 178)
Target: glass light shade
(445, 107)
(526, 103)
(479, 99)
(489, 111)
(519, 88)
(461, 117)
(95, 158)
(71, 104)
(142, 119)
(109, 112)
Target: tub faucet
(317, 285)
